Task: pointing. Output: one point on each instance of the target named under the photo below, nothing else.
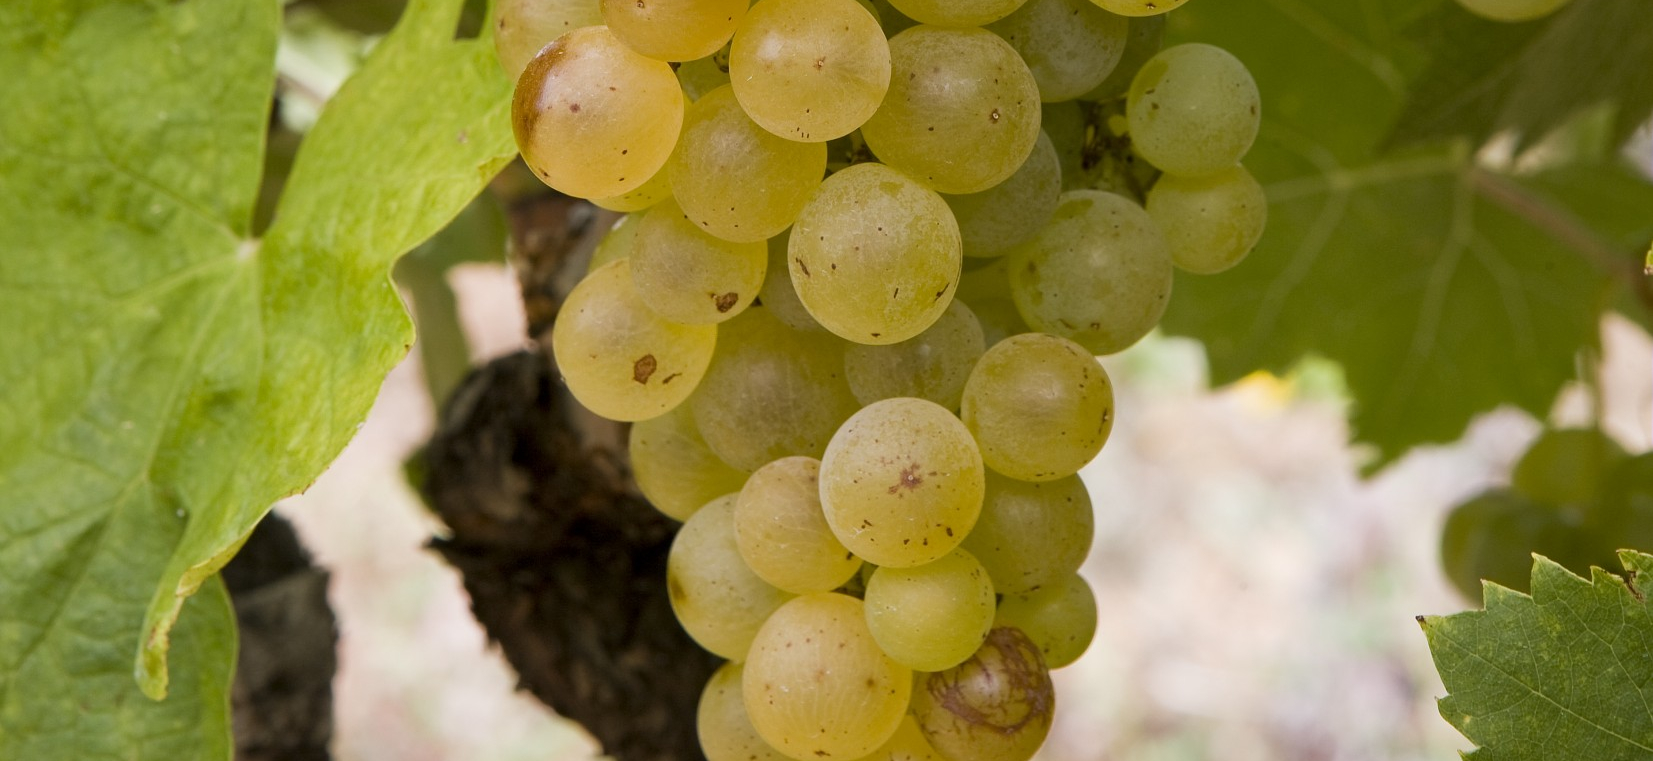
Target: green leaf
(1444, 288)
(165, 377)
(1485, 77)
(1560, 674)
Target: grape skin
(778, 294)
(1099, 274)
(931, 617)
(690, 277)
(616, 243)
(724, 729)
(816, 684)
(1193, 110)
(737, 180)
(1030, 534)
(594, 119)
(1060, 618)
(996, 706)
(525, 26)
(956, 12)
(1139, 7)
(673, 30)
(1071, 46)
(875, 255)
(932, 365)
(719, 601)
(810, 70)
(997, 219)
(1211, 222)
(782, 533)
(619, 358)
(962, 112)
(901, 482)
(1040, 407)
(674, 468)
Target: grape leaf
(1561, 674)
(166, 378)
(1444, 288)
(1484, 77)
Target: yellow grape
(719, 601)
(690, 277)
(525, 26)
(931, 617)
(782, 533)
(809, 70)
(737, 180)
(997, 706)
(1059, 618)
(956, 12)
(1030, 534)
(673, 30)
(1211, 222)
(674, 468)
(932, 365)
(1139, 7)
(725, 731)
(1040, 407)
(594, 119)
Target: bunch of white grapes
(873, 445)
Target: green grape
(719, 601)
(901, 482)
(690, 277)
(875, 255)
(777, 292)
(907, 744)
(771, 392)
(619, 358)
(1567, 466)
(962, 113)
(673, 30)
(1493, 537)
(726, 732)
(993, 221)
(594, 119)
(810, 70)
(1143, 38)
(736, 179)
(1039, 405)
(674, 468)
(997, 706)
(986, 290)
(1069, 45)
(1193, 110)
(931, 617)
(703, 75)
(1512, 10)
(782, 533)
(956, 12)
(1139, 7)
(658, 188)
(1210, 222)
(525, 26)
(1098, 274)
(1032, 535)
(817, 687)
(1060, 618)
(931, 365)
(616, 243)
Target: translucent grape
(962, 113)
(907, 744)
(875, 255)
(674, 468)
(1143, 38)
(1193, 110)
(1211, 222)
(782, 532)
(997, 706)
(594, 119)
(1139, 7)
(993, 221)
(719, 601)
(1060, 618)
(616, 243)
(1039, 405)
(737, 180)
(931, 365)
(726, 732)
(525, 26)
(956, 12)
(703, 75)
(810, 70)
(1099, 273)
(1032, 535)
(901, 482)
(931, 617)
(1512, 10)
(673, 30)
(1069, 45)
(779, 295)
(619, 358)
(690, 277)
(658, 188)
(816, 684)
(771, 392)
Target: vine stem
(1565, 228)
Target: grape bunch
(871, 252)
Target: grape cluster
(872, 251)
